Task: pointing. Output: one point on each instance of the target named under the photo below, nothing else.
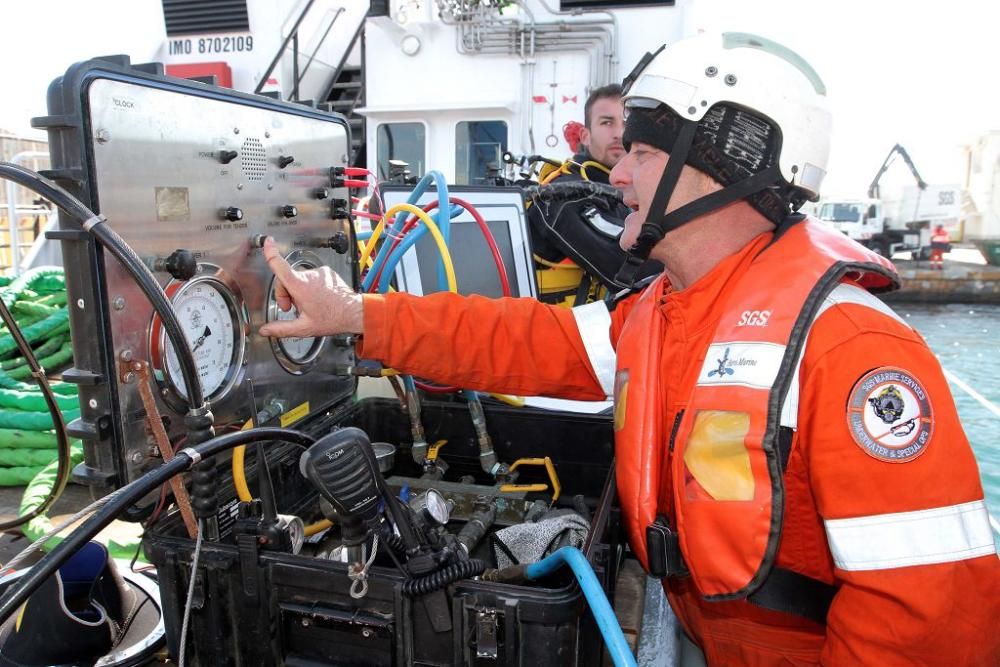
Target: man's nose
(619, 175)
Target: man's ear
(585, 137)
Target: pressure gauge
(214, 322)
(296, 354)
(433, 507)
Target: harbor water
(966, 339)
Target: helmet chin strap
(653, 230)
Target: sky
(920, 73)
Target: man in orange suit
(789, 458)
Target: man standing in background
(574, 232)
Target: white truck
(891, 226)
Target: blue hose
(598, 601)
(440, 220)
(401, 249)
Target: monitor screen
(475, 270)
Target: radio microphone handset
(343, 469)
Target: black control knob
(339, 210)
(321, 193)
(181, 264)
(288, 211)
(339, 243)
(225, 157)
(232, 214)
(284, 161)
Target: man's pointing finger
(279, 266)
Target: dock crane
(873, 190)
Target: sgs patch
(889, 415)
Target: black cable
(19, 592)
(447, 575)
(269, 505)
(139, 272)
(62, 442)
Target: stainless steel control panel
(210, 175)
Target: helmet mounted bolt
(730, 79)
(711, 71)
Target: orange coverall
(944, 613)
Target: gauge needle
(201, 339)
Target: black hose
(139, 272)
(447, 575)
(62, 442)
(19, 592)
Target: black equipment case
(275, 608)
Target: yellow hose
(367, 264)
(371, 241)
(317, 527)
(554, 265)
(591, 163)
(556, 173)
(449, 268)
(239, 471)
(515, 401)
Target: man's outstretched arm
(518, 346)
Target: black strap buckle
(663, 550)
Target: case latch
(486, 634)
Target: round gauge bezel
(440, 502)
(298, 259)
(231, 294)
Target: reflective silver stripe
(842, 293)
(594, 322)
(903, 539)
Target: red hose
(488, 235)
(436, 388)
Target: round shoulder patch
(889, 415)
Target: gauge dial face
(296, 353)
(208, 318)
(437, 507)
(296, 348)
